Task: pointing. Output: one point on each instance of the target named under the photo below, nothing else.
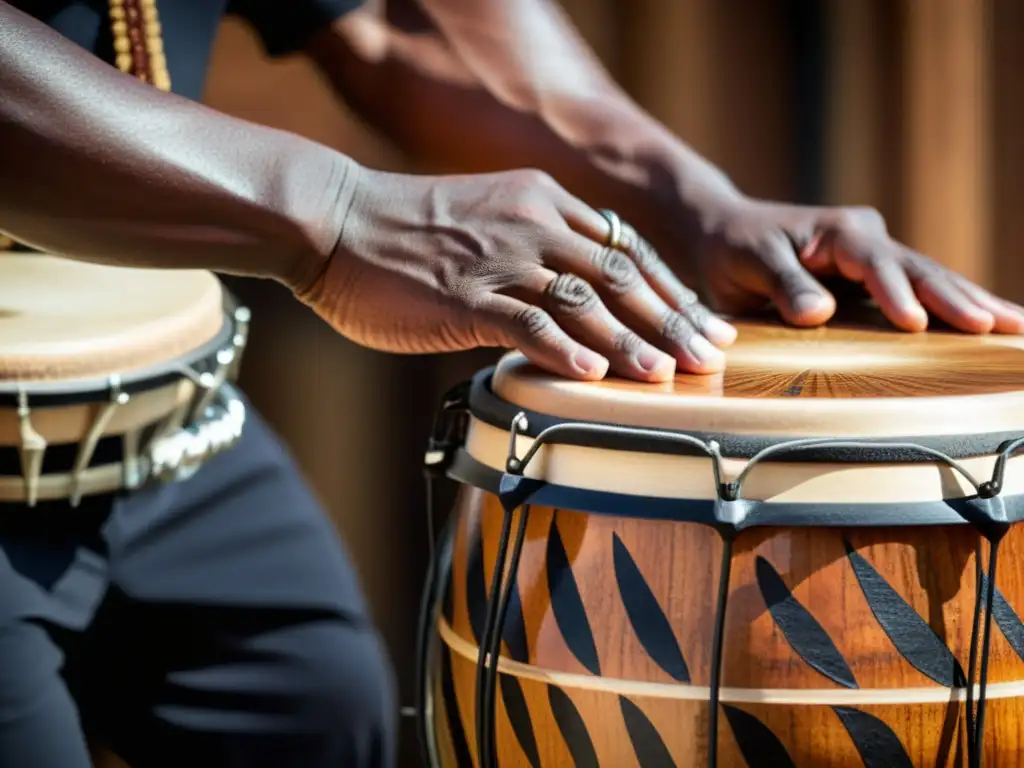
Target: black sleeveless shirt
(190, 27)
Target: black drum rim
(489, 408)
(467, 470)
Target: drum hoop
(491, 409)
(44, 393)
(466, 469)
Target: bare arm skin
(492, 84)
(487, 85)
(98, 166)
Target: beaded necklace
(138, 44)
(138, 51)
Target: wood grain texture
(847, 378)
(770, 361)
(841, 647)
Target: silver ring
(615, 225)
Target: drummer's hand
(754, 251)
(439, 264)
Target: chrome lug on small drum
(177, 456)
(242, 316)
(211, 383)
(31, 450)
(87, 447)
(213, 421)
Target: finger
(940, 294)
(681, 298)
(656, 273)
(579, 311)
(619, 282)
(878, 264)
(817, 257)
(800, 299)
(514, 324)
(887, 283)
(1009, 318)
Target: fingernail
(807, 303)
(590, 362)
(705, 351)
(653, 361)
(918, 316)
(719, 331)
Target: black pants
(210, 622)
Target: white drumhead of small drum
(62, 320)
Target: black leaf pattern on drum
(514, 631)
(912, 635)
(476, 581)
(651, 625)
(879, 747)
(1006, 619)
(451, 710)
(648, 745)
(566, 603)
(758, 745)
(807, 637)
(574, 730)
(448, 606)
(519, 716)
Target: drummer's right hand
(441, 264)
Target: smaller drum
(791, 564)
(111, 378)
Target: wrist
(695, 190)
(317, 189)
(681, 198)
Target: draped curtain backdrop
(910, 106)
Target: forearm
(99, 166)
(492, 85)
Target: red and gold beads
(138, 51)
(138, 41)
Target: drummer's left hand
(751, 252)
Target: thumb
(799, 297)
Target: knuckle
(917, 265)
(862, 218)
(641, 252)
(678, 329)
(618, 272)
(689, 301)
(532, 321)
(532, 177)
(570, 294)
(627, 343)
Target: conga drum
(810, 560)
(112, 378)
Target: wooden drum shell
(851, 582)
(841, 647)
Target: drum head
(63, 320)
(854, 423)
(844, 380)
